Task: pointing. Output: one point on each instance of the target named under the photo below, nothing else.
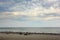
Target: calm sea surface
(31, 29)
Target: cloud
(43, 13)
(33, 15)
(29, 11)
(19, 5)
(11, 23)
(14, 23)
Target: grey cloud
(9, 16)
(53, 14)
(49, 15)
(23, 5)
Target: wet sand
(4, 36)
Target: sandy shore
(4, 36)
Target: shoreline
(28, 36)
(30, 33)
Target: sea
(31, 29)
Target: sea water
(31, 29)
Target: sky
(29, 13)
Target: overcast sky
(29, 13)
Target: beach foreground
(4, 36)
